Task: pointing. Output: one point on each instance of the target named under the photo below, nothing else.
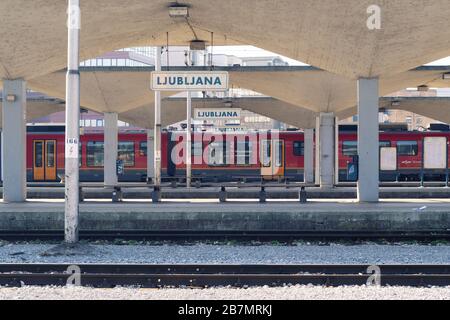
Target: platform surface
(140, 191)
(235, 216)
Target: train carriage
(238, 156)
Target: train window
(266, 153)
(38, 159)
(197, 148)
(50, 154)
(143, 148)
(94, 154)
(278, 146)
(407, 148)
(350, 148)
(217, 155)
(126, 153)
(243, 152)
(299, 148)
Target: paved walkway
(237, 216)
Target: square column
(368, 140)
(317, 152)
(111, 148)
(150, 156)
(326, 148)
(309, 156)
(336, 151)
(14, 141)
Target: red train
(229, 156)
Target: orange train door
(44, 160)
(272, 158)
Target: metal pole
(157, 138)
(72, 123)
(189, 140)
(150, 157)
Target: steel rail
(265, 235)
(154, 276)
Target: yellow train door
(50, 160)
(44, 160)
(272, 159)
(38, 160)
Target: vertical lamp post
(189, 140)
(157, 131)
(72, 123)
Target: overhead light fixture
(178, 11)
(11, 98)
(446, 76)
(197, 45)
(423, 88)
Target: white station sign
(435, 153)
(190, 81)
(388, 159)
(217, 114)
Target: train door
(272, 158)
(44, 160)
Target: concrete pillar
(309, 156)
(368, 140)
(14, 140)
(72, 173)
(317, 152)
(111, 149)
(336, 151)
(326, 147)
(157, 128)
(150, 156)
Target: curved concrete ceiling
(437, 108)
(174, 110)
(102, 91)
(123, 89)
(38, 108)
(332, 35)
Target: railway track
(156, 276)
(269, 235)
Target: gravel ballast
(233, 254)
(261, 293)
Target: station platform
(141, 191)
(233, 216)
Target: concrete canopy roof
(331, 35)
(124, 89)
(437, 108)
(174, 110)
(38, 108)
